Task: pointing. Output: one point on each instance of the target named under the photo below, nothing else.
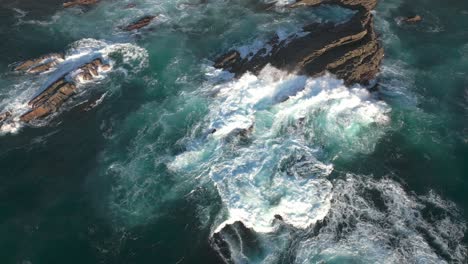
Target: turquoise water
(140, 178)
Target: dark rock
(142, 22)
(41, 64)
(52, 98)
(352, 4)
(278, 217)
(4, 116)
(349, 50)
(79, 3)
(412, 19)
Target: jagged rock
(79, 3)
(41, 64)
(412, 19)
(142, 22)
(349, 50)
(352, 4)
(50, 100)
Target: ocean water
(175, 153)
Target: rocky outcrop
(80, 3)
(352, 4)
(52, 98)
(142, 22)
(41, 64)
(349, 50)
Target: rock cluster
(50, 100)
(350, 50)
(41, 64)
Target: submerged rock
(52, 98)
(142, 22)
(41, 64)
(411, 19)
(349, 50)
(79, 3)
(352, 4)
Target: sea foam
(266, 138)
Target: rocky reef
(80, 3)
(352, 4)
(350, 50)
(50, 100)
(41, 64)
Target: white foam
(277, 172)
(358, 230)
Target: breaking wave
(268, 141)
(377, 221)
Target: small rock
(79, 3)
(4, 116)
(142, 22)
(412, 19)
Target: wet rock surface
(39, 65)
(350, 50)
(80, 3)
(54, 96)
(352, 4)
(411, 19)
(140, 23)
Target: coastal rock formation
(50, 99)
(41, 64)
(79, 3)
(142, 22)
(349, 50)
(352, 4)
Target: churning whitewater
(270, 140)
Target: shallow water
(176, 150)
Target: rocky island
(350, 50)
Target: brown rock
(349, 50)
(352, 4)
(55, 95)
(412, 19)
(131, 5)
(79, 3)
(41, 64)
(142, 22)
